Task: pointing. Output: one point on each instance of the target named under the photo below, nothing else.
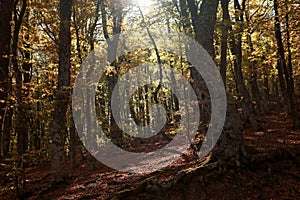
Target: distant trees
(285, 69)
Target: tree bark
(58, 125)
(21, 128)
(230, 147)
(224, 39)
(21, 123)
(27, 75)
(6, 8)
(204, 23)
(73, 144)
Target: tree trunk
(296, 119)
(58, 125)
(204, 23)
(256, 94)
(6, 8)
(73, 144)
(112, 77)
(21, 122)
(281, 64)
(26, 72)
(288, 41)
(186, 24)
(230, 146)
(224, 39)
(236, 50)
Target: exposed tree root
(192, 183)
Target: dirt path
(273, 174)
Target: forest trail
(66, 66)
(273, 174)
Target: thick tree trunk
(6, 8)
(204, 23)
(230, 147)
(58, 125)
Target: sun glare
(145, 5)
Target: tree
(116, 10)
(230, 146)
(58, 125)
(224, 39)
(204, 23)
(288, 86)
(6, 8)
(21, 118)
(235, 43)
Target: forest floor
(275, 177)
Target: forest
(149, 99)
